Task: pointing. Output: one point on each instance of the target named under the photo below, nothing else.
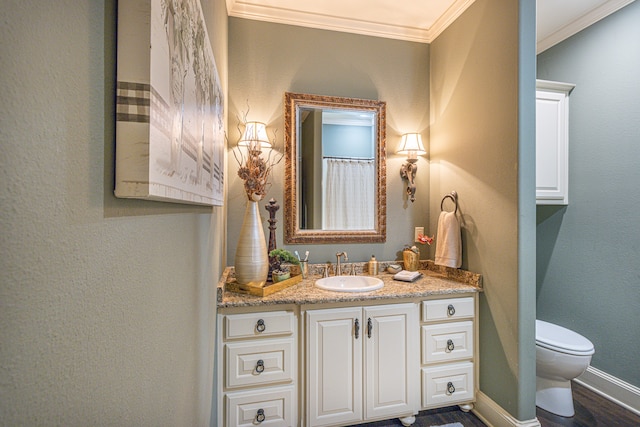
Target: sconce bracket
(408, 171)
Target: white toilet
(561, 355)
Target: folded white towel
(448, 241)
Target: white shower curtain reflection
(348, 194)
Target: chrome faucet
(338, 265)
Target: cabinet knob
(260, 417)
(357, 328)
(451, 310)
(260, 326)
(450, 388)
(260, 366)
(450, 345)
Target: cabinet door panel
(550, 145)
(448, 384)
(334, 366)
(266, 407)
(255, 325)
(448, 309)
(259, 362)
(391, 360)
(552, 142)
(447, 341)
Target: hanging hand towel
(448, 241)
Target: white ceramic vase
(252, 260)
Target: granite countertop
(436, 280)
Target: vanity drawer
(447, 341)
(447, 384)
(258, 363)
(448, 309)
(253, 325)
(272, 407)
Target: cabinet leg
(407, 421)
(466, 407)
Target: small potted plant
(281, 259)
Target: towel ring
(453, 196)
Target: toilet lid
(555, 337)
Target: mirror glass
(335, 177)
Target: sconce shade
(255, 133)
(411, 144)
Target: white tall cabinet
(362, 363)
(552, 142)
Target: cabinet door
(552, 142)
(391, 360)
(259, 362)
(273, 407)
(334, 366)
(448, 384)
(446, 342)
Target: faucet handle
(325, 273)
(353, 269)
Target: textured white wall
(106, 312)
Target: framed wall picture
(169, 106)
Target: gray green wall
(588, 252)
(106, 309)
(266, 60)
(482, 127)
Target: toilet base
(554, 396)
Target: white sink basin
(350, 283)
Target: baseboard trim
(494, 415)
(611, 388)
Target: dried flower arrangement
(422, 238)
(254, 169)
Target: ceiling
(416, 20)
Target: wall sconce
(255, 136)
(411, 145)
(253, 169)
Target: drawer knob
(450, 345)
(451, 310)
(450, 388)
(260, 366)
(260, 417)
(260, 326)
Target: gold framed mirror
(335, 169)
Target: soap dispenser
(373, 266)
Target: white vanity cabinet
(361, 364)
(552, 142)
(448, 348)
(257, 368)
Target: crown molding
(242, 9)
(448, 18)
(580, 24)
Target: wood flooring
(592, 410)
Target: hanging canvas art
(170, 105)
